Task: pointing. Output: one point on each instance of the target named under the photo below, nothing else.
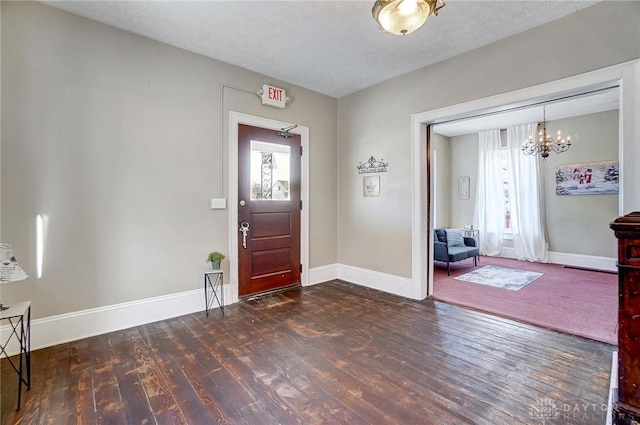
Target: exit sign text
(273, 96)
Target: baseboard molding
(376, 280)
(613, 387)
(54, 330)
(371, 279)
(584, 261)
(59, 329)
(322, 274)
(574, 260)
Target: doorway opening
(626, 75)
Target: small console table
(19, 317)
(475, 235)
(471, 233)
(213, 289)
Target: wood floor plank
(160, 400)
(333, 353)
(55, 404)
(479, 342)
(79, 392)
(243, 407)
(265, 395)
(286, 363)
(169, 352)
(107, 397)
(360, 384)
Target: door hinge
(300, 268)
(300, 150)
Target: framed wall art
(370, 186)
(464, 183)
(591, 178)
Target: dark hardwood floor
(332, 353)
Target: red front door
(268, 210)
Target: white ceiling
(331, 47)
(600, 101)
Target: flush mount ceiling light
(402, 17)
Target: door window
(269, 171)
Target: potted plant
(215, 257)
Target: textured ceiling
(599, 101)
(331, 47)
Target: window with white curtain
(509, 195)
(489, 213)
(526, 197)
(505, 185)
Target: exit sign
(273, 96)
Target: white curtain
(489, 210)
(525, 197)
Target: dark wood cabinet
(627, 406)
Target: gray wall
(457, 157)
(464, 162)
(575, 224)
(442, 170)
(580, 224)
(121, 141)
(378, 119)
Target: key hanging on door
(244, 229)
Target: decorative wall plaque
(372, 166)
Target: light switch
(218, 203)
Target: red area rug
(573, 301)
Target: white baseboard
(574, 260)
(613, 387)
(392, 284)
(59, 329)
(322, 274)
(54, 330)
(585, 261)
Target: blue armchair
(450, 246)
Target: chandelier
(545, 142)
(402, 17)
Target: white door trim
(236, 118)
(627, 75)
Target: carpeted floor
(578, 302)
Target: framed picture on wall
(591, 178)
(463, 187)
(371, 186)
